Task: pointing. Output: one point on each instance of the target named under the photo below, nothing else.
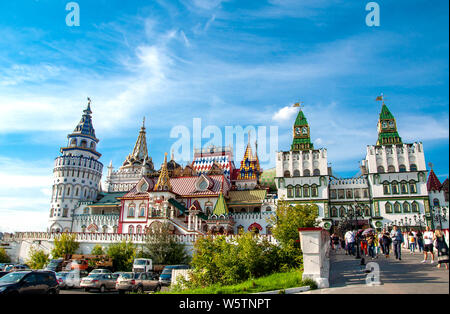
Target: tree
(4, 258)
(65, 244)
(288, 219)
(37, 258)
(122, 254)
(97, 250)
(162, 247)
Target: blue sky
(227, 62)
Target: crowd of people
(374, 244)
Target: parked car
(19, 268)
(29, 282)
(166, 276)
(70, 279)
(143, 265)
(101, 282)
(100, 271)
(55, 265)
(137, 282)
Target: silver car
(100, 282)
(137, 282)
(100, 271)
(70, 279)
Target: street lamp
(440, 214)
(418, 220)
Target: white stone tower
(76, 174)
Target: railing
(110, 237)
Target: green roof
(385, 113)
(110, 199)
(301, 119)
(267, 178)
(221, 207)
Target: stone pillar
(315, 245)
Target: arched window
(334, 212)
(316, 172)
(83, 144)
(395, 187)
(350, 211)
(305, 191)
(142, 211)
(306, 173)
(130, 229)
(314, 191)
(404, 187)
(436, 202)
(413, 167)
(115, 229)
(367, 211)
(296, 173)
(130, 211)
(65, 212)
(388, 208)
(341, 211)
(397, 207)
(412, 187)
(298, 191)
(92, 145)
(380, 169)
(391, 168)
(290, 192)
(105, 229)
(358, 211)
(415, 207)
(139, 229)
(406, 207)
(287, 174)
(402, 168)
(73, 142)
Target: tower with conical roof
(387, 127)
(76, 174)
(301, 135)
(163, 183)
(249, 170)
(136, 165)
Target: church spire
(85, 126)
(139, 154)
(163, 183)
(302, 139)
(387, 126)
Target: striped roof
(246, 197)
(185, 186)
(433, 183)
(204, 161)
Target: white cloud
(285, 114)
(16, 221)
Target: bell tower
(76, 174)
(301, 133)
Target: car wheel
(102, 289)
(140, 290)
(86, 289)
(158, 288)
(51, 292)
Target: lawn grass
(275, 281)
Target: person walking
(442, 248)
(370, 240)
(335, 241)
(412, 242)
(363, 246)
(419, 237)
(380, 240)
(386, 243)
(350, 242)
(397, 240)
(428, 237)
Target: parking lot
(81, 291)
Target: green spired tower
(387, 127)
(302, 139)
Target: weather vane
(298, 104)
(380, 98)
(89, 100)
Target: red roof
(444, 185)
(433, 183)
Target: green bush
(65, 244)
(4, 258)
(122, 255)
(217, 261)
(37, 258)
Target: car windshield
(126, 276)
(62, 275)
(94, 275)
(167, 271)
(140, 262)
(12, 277)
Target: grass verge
(277, 281)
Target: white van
(142, 265)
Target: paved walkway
(407, 276)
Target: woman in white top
(428, 245)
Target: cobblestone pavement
(397, 277)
